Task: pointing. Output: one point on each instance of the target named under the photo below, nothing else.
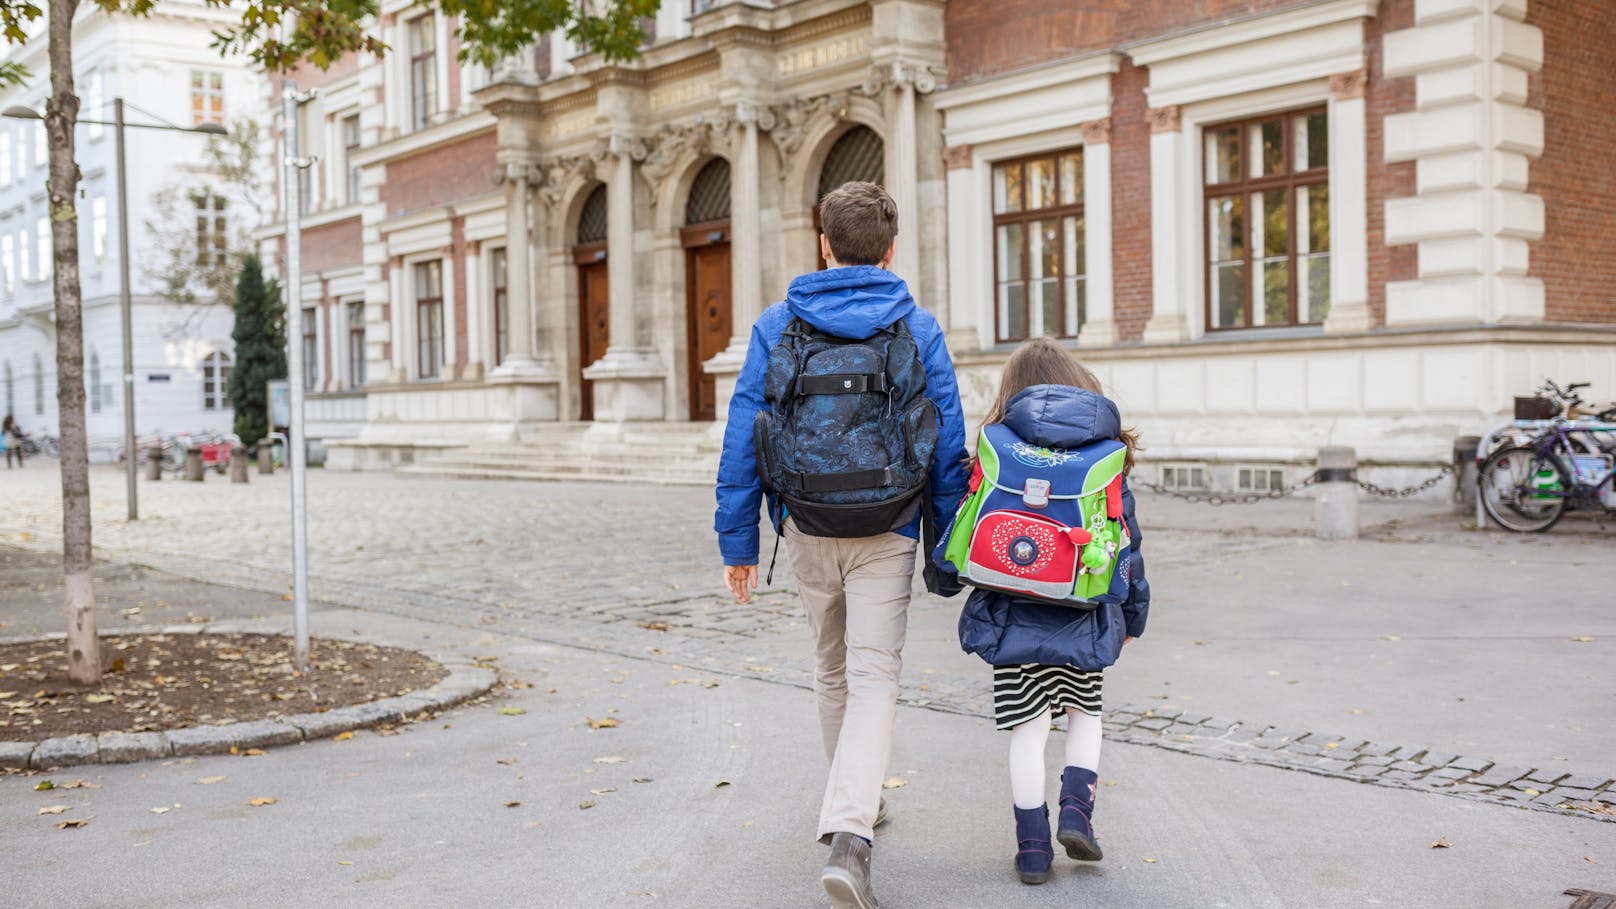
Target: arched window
(39, 386)
(215, 380)
(95, 381)
(709, 194)
(592, 220)
(858, 155)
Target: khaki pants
(856, 595)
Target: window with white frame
(429, 353)
(22, 152)
(42, 249)
(95, 381)
(423, 46)
(8, 263)
(1267, 204)
(350, 147)
(22, 255)
(356, 344)
(39, 386)
(216, 381)
(207, 97)
(502, 307)
(5, 156)
(212, 241)
(1038, 246)
(98, 228)
(311, 348)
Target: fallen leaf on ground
(601, 791)
(1390, 637)
(210, 780)
(261, 802)
(894, 782)
(253, 752)
(344, 863)
(99, 698)
(1150, 861)
(1332, 745)
(506, 761)
(53, 809)
(513, 804)
(585, 805)
(161, 810)
(1532, 792)
(604, 722)
(1589, 859)
(343, 736)
(1441, 843)
(511, 711)
(642, 779)
(611, 759)
(74, 822)
(1583, 639)
(1357, 711)
(655, 626)
(43, 785)
(746, 825)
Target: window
(211, 242)
(1268, 221)
(39, 139)
(1184, 477)
(22, 254)
(207, 97)
(356, 344)
(311, 348)
(1259, 479)
(8, 263)
(91, 109)
(98, 228)
(5, 157)
(95, 382)
(423, 70)
(42, 251)
(1038, 246)
(502, 306)
(39, 386)
(350, 147)
(215, 380)
(429, 318)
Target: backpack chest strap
(846, 383)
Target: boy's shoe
(1033, 850)
(847, 873)
(1076, 831)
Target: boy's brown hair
(859, 220)
(1041, 361)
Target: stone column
(904, 179)
(1171, 208)
(1349, 206)
(629, 378)
(1099, 328)
(532, 383)
(746, 258)
(1473, 138)
(968, 221)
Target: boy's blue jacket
(852, 302)
(1007, 630)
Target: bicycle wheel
(1518, 492)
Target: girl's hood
(1062, 416)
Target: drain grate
(1587, 899)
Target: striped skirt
(1021, 693)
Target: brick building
(1268, 224)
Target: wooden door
(594, 319)
(708, 312)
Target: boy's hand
(741, 581)
(1128, 639)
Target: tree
(260, 336)
(279, 35)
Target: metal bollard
(1465, 483)
(154, 462)
(193, 465)
(1335, 509)
(266, 457)
(238, 464)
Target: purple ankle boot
(1033, 850)
(1076, 830)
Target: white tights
(1027, 780)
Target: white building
(168, 75)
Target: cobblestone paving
(631, 571)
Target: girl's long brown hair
(1041, 361)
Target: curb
(465, 680)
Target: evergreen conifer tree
(260, 336)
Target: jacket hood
(1062, 416)
(852, 302)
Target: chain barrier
(1250, 498)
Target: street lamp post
(125, 304)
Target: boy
(855, 590)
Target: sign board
(279, 394)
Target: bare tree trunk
(61, 109)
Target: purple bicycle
(1528, 486)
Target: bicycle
(1528, 484)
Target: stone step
(592, 473)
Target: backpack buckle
(1036, 494)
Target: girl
(1047, 657)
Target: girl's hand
(1127, 639)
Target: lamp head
(21, 112)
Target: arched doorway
(708, 311)
(589, 254)
(858, 155)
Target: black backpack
(846, 443)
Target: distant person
(11, 436)
(1047, 656)
(847, 414)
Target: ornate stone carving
(897, 74)
(1346, 86)
(672, 143)
(1097, 132)
(1165, 119)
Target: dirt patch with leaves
(157, 682)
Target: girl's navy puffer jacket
(1004, 629)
